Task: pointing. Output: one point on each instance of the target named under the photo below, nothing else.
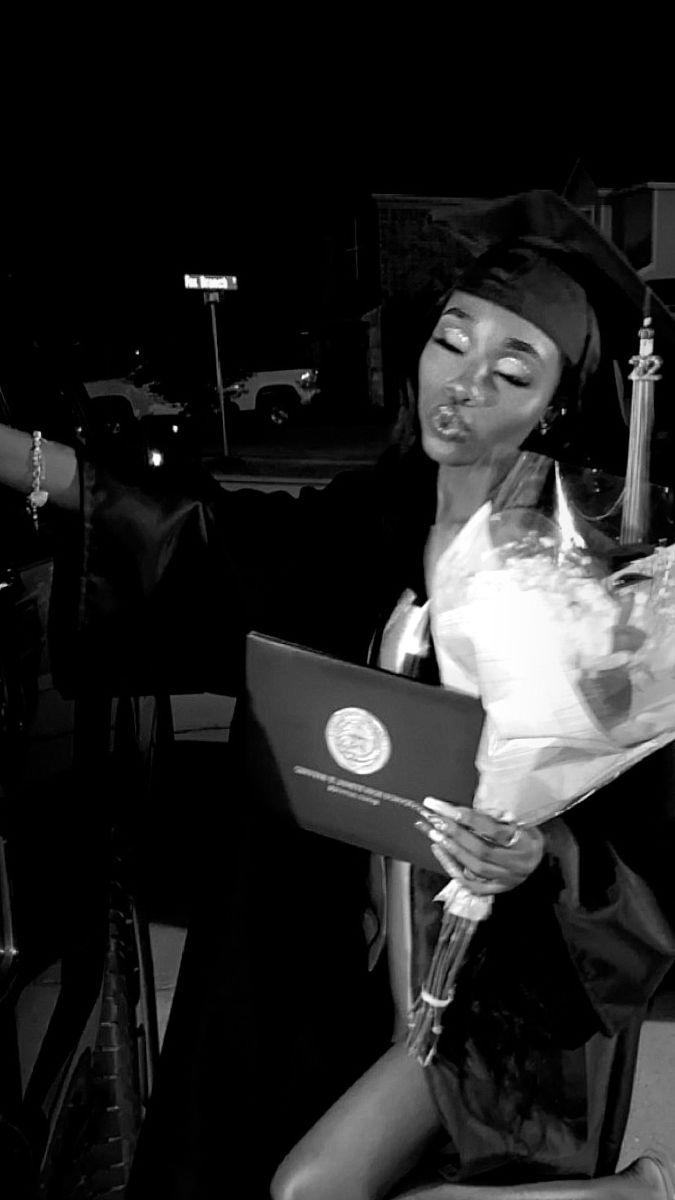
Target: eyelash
(514, 381)
(511, 379)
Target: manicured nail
(436, 836)
(445, 809)
(439, 822)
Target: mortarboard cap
(537, 255)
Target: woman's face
(486, 376)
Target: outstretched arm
(61, 476)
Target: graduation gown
(276, 1011)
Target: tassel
(462, 912)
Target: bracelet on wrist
(38, 496)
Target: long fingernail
(446, 809)
(434, 834)
(439, 822)
(437, 836)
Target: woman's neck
(461, 491)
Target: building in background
(373, 251)
(639, 218)
(414, 243)
(414, 237)
(373, 248)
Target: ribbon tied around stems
(459, 901)
(462, 912)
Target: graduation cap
(536, 255)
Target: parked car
(275, 396)
(114, 367)
(78, 1028)
(144, 398)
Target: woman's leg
(643, 1180)
(376, 1133)
(368, 1141)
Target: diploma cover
(351, 751)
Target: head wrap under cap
(531, 284)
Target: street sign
(211, 287)
(211, 283)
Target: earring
(545, 422)
(550, 418)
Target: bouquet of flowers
(574, 663)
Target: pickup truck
(275, 396)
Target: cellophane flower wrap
(574, 663)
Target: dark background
(125, 164)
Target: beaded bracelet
(38, 496)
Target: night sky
(106, 214)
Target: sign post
(212, 298)
(211, 287)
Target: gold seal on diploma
(358, 741)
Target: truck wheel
(277, 406)
(100, 1121)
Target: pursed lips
(446, 420)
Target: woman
(276, 1004)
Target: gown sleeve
(610, 860)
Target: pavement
(652, 1115)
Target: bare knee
(370, 1138)
(286, 1184)
(311, 1180)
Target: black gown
(276, 1011)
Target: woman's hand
(485, 855)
